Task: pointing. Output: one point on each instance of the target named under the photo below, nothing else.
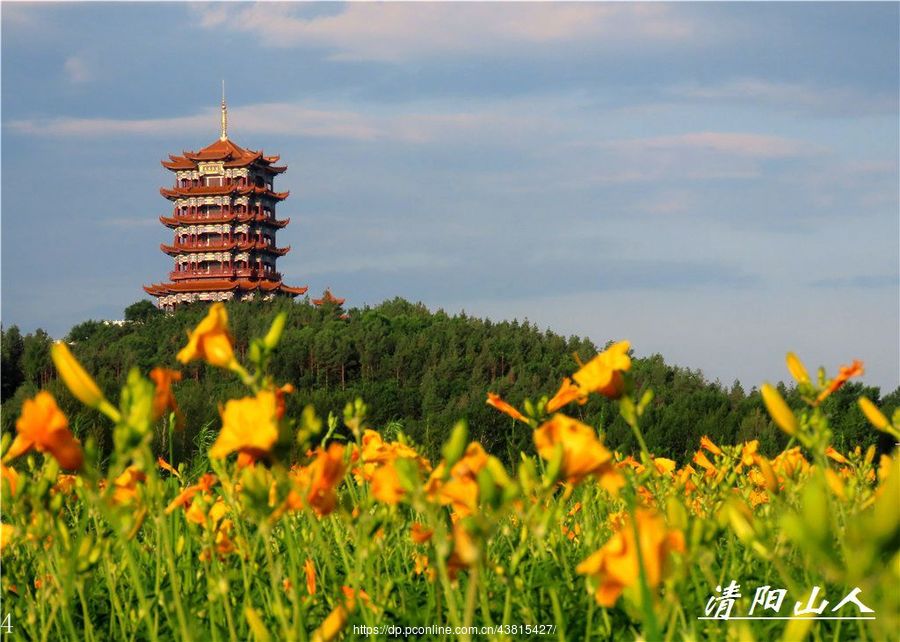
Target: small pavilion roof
(328, 297)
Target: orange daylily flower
(163, 399)
(420, 561)
(11, 477)
(748, 453)
(790, 463)
(835, 484)
(310, 569)
(249, 425)
(44, 427)
(831, 453)
(280, 394)
(583, 454)
(615, 566)
(419, 533)
(498, 403)
(460, 489)
(352, 595)
(317, 483)
(377, 466)
(386, 486)
(846, 372)
(204, 485)
(758, 497)
(663, 466)
(465, 552)
(162, 463)
(125, 486)
(210, 340)
(701, 460)
(706, 442)
(635, 465)
(567, 393)
(603, 373)
(214, 522)
(65, 484)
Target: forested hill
(417, 370)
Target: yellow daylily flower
(249, 425)
(603, 373)
(210, 340)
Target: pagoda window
(214, 181)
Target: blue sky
(715, 182)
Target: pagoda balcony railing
(195, 216)
(224, 273)
(238, 241)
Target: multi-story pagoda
(224, 226)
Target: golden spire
(224, 134)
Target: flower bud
(77, 380)
(796, 368)
(274, 333)
(873, 414)
(778, 409)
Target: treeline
(418, 371)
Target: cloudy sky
(715, 182)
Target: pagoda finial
(224, 134)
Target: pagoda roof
(328, 297)
(220, 190)
(242, 246)
(173, 222)
(223, 285)
(231, 154)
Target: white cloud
(691, 156)
(287, 119)
(801, 97)
(731, 143)
(401, 31)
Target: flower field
(321, 528)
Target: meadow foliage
(300, 527)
